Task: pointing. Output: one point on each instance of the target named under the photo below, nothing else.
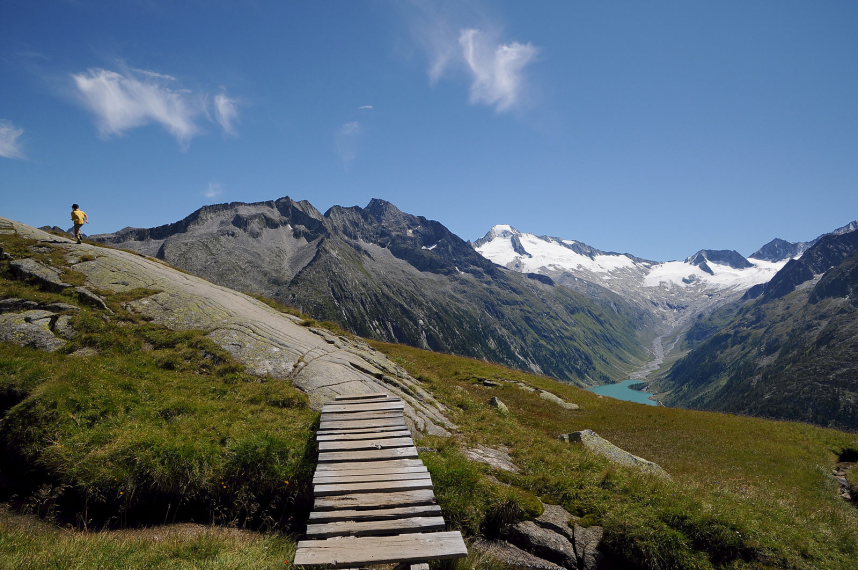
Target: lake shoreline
(632, 390)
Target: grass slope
(745, 492)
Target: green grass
(745, 492)
(27, 543)
(152, 425)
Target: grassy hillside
(131, 431)
(745, 492)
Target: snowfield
(618, 272)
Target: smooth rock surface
(497, 458)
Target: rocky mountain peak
(727, 257)
(778, 250)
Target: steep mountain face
(789, 352)
(674, 292)
(393, 276)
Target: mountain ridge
(393, 276)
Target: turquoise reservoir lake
(621, 391)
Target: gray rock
(489, 383)
(60, 307)
(585, 541)
(597, 444)
(512, 556)
(543, 542)
(497, 458)
(15, 304)
(495, 402)
(47, 277)
(63, 328)
(31, 329)
(90, 298)
(545, 395)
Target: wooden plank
(375, 528)
(326, 417)
(381, 422)
(367, 407)
(344, 551)
(363, 396)
(368, 454)
(375, 500)
(362, 478)
(329, 490)
(391, 465)
(360, 436)
(347, 430)
(365, 444)
(376, 514)
(377, 474)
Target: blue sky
(655, 128)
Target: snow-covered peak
(531, 254)
(705, 270)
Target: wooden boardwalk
(373, 497)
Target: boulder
(495, 402)
(597, 444)
(546, 395)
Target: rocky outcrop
(30, 328)
(267, 341)
(512, 556)
(36, 325)
(556, 538)
(597, 444)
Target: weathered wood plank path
(374, 502)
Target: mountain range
(550, 305)
(392, 276)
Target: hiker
(79, 218)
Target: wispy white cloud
(213, 191)
(347, 141)
(226, 112)
(10, 147)
(496, 70)
(366, 108)
(497, 77)
(134, 98)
